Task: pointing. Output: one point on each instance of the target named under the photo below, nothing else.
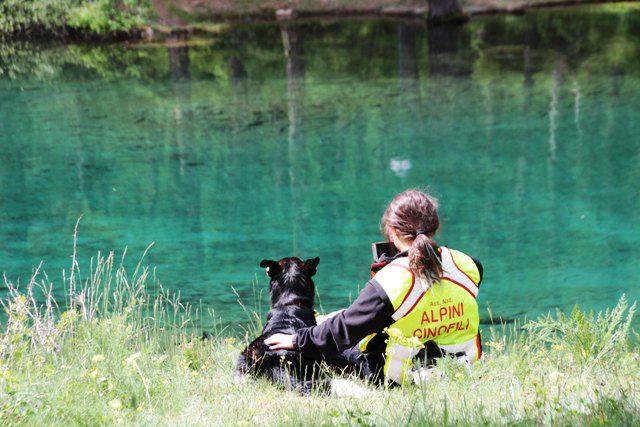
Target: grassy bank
(124, 356)
(76, 18)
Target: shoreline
(200, 20)
(467, 9)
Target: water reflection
(531, 39)
(293, 46)
(553, 111)
(178, 55)
(407, 52)
(445, 45)
(409, 34)
(274, 140)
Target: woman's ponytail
(424, 260)
(413, 215)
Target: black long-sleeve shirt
(370, 312)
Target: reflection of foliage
(591, 40)
(113, 62)
(25, 59)
(61, 16)
(595, 38)
(48, 61)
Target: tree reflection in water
(288, 138)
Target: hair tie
(419, 232)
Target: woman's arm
(321, 318)
(369, 313)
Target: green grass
(124, 356)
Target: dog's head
(291, 281)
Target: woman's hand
(280, 342)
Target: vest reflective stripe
(469, 348)
(399, 360)
(452, 273)
(446, 313)
(413, 296)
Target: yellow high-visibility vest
(446, 313)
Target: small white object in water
(400, 166)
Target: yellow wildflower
(497, 345)
(397, 337)
(160, 358)
(115, 404)
(555, 375)
(131, 359)
(97, 358)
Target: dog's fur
(291, 292)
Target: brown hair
(414, 217)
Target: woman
(421, 304)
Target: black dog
(291, 292)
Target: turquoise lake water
(266, 140)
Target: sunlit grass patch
(113, 353)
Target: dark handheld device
(382, 251)
(383, 248)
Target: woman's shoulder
(398, 268)
(395, 278)
(469, 265)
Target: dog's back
(291, 291)
(283, 367)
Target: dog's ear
(311, 264)
(272, 267)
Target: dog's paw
(348, 388)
